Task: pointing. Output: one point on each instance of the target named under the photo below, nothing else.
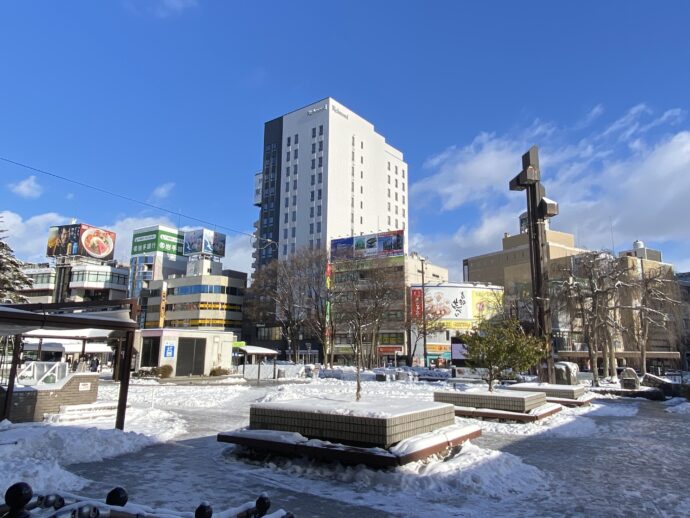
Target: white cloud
(163, 191)
(27, 188)
(625, 177)
(29, 238)
(238, 253)
(166, 8)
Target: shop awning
(262, 351)
(68, 346)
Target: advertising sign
(150, 241)
(341, 249)
(416, 307)
(82, 240)
(204, 241)
(369, 246)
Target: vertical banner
(416, 295)
(161, 309)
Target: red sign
(389, 349)
(416, 302)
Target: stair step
(89, 407)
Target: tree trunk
(613, 363)
(358, 361)
(643, 344)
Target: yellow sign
(161, 309)
(437, 349)
(458, 325)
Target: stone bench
(551, 390)
(380, 423)
(510, 401)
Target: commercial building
(156, 254)
(82, 267)
(190, 321)
(326, 173)
(455, 309)
(510, 266)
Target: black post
(124, 382)
(16, 352)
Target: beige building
(510, 266)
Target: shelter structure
(70, 319)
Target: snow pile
(347, 373)
(171, 396)
(614, 409)
(682, 407)
(36, 453)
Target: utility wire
(130, 199)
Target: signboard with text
(150, 241)
(369, 246)
(204, 242)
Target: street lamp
(426, 362)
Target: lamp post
(426, 359)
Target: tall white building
(326, 174)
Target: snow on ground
(681, 407)
(171, 396)
(36, 452)
(41, 453)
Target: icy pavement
(620, 457)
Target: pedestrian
(93, 366)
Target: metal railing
(42, 373)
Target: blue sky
(165, 100)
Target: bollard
(87, 511)
(117, 496)
(17, 497)
(203, 511)
(263, 504)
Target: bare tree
(363, 292)
(654, 299)
(416, 326)
(587, 290)
(291, 293)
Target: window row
(106, 277)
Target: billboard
(204, 242)
(80, 240)
(455, 305)
(150, 241)
(369, 246)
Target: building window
(294, 216)
(320, 177)
(352, 185)
(287, 171)
(311, 228)
(403, 212)
(396, 183)
(319, 194)
(403, 199)
(320, 145)
(396, 169)
(353, 141)
(294, 169)
(311, 212)
(287, 157)
(321, 130)
(361, 145)
(313, 133)
(396, 196)
(320, 161)
(286, 218)
(293, 231)
(403, 187)
(311, 196)
(361, 204)
(396, 223)
(403, 173)
(361, 159)
(396, 210)
(361, 174)
(287, 186)
(318, 210)
(294, 200)
(313, 147)
(389, 193)
(361, 220)
(284, 249)
(296, 139)
(313, 179)
(389, 179)
(295, 152)
(318, 227)
(284, 233)
(389, 221)
(311, 244)
(287, 202)
(361, 189)
(389, 166)
(318, 242)
(292, 248)
(288, 141)
(313, 163)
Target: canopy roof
(15, 321)
(254, 349)
(68, 346)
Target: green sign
(239, 344)
(150, 241)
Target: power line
(128, 198)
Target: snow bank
(36, 453)
(171, 396)
(682, 408)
